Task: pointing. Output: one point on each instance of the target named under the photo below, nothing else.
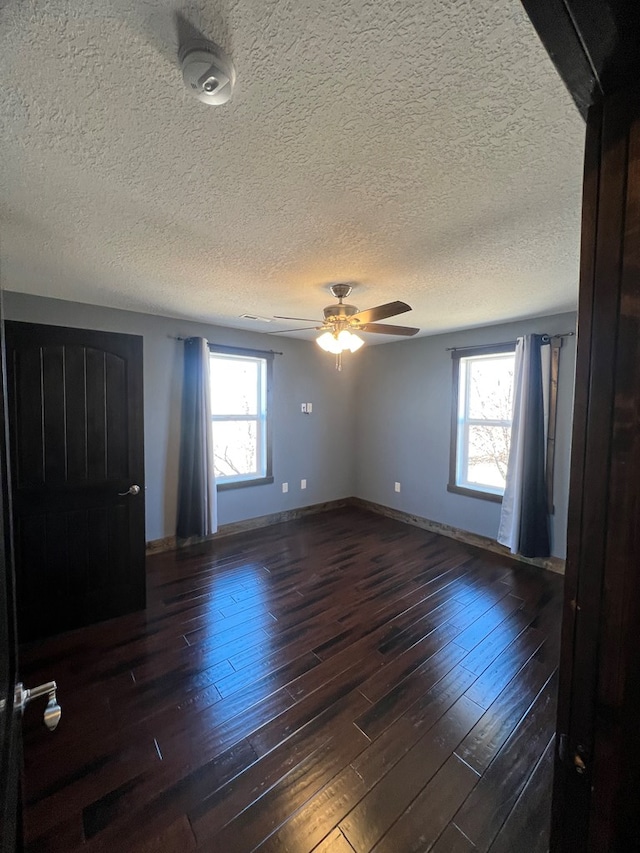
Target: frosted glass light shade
(355, 343)
(344, 340)
(329, 343)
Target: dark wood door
(76, 437)
(10, 729)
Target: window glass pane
(234, 386)
(488, 454)
(235, 446)
(490, 387)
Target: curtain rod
(506, 343)
(232, 346)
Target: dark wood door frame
(10, 721)
(593, 44)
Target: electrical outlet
(303, 408)
(303, 484)
(285, 487)
(397, 487)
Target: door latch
(575, 760)
(52, 712)
(578, 761)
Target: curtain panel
(524, 519)
(197, 498)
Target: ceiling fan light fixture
(329, 343)
(349, 341)
(355, 343)
(338, 342)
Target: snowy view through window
(485, 404)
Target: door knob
(132, 490)
(52, 712)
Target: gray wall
(403, 425)
(385, 418)
(316, 447)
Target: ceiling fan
(342, 321)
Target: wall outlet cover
(303, 484)
(397, 487)
(285, 487)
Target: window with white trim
(240, 392)
(481, 422)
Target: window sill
(474, 493)
(243, 484)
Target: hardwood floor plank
(485, 740)
(454, 841)
(388, 799)
(493, 617)
(308, 826)
(304, 687)
(505, 667)
(489, 804)
(401, 697)
(496, 641)
(527, 826)
(339, 700)
(176, 838)
(257, 822)
(72, 793)
(424, 820)
(60, 837)
(155, 800)
(403, 733)
(396, 671)
(334, 843)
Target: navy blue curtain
(534, 518)
(196, 485)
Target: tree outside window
(482, 421)
(240, 423)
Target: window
(481, 420)
(240, 392)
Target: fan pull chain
(339, 361)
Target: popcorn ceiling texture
(424, 148)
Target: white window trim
(262, 419)
(460, 425)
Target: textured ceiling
(423, 148)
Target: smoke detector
(208, 74)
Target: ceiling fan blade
(381, 312)
(303, 329)
(386, 329)
(302, 319)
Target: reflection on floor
(343, 682)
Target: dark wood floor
(344, 682)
